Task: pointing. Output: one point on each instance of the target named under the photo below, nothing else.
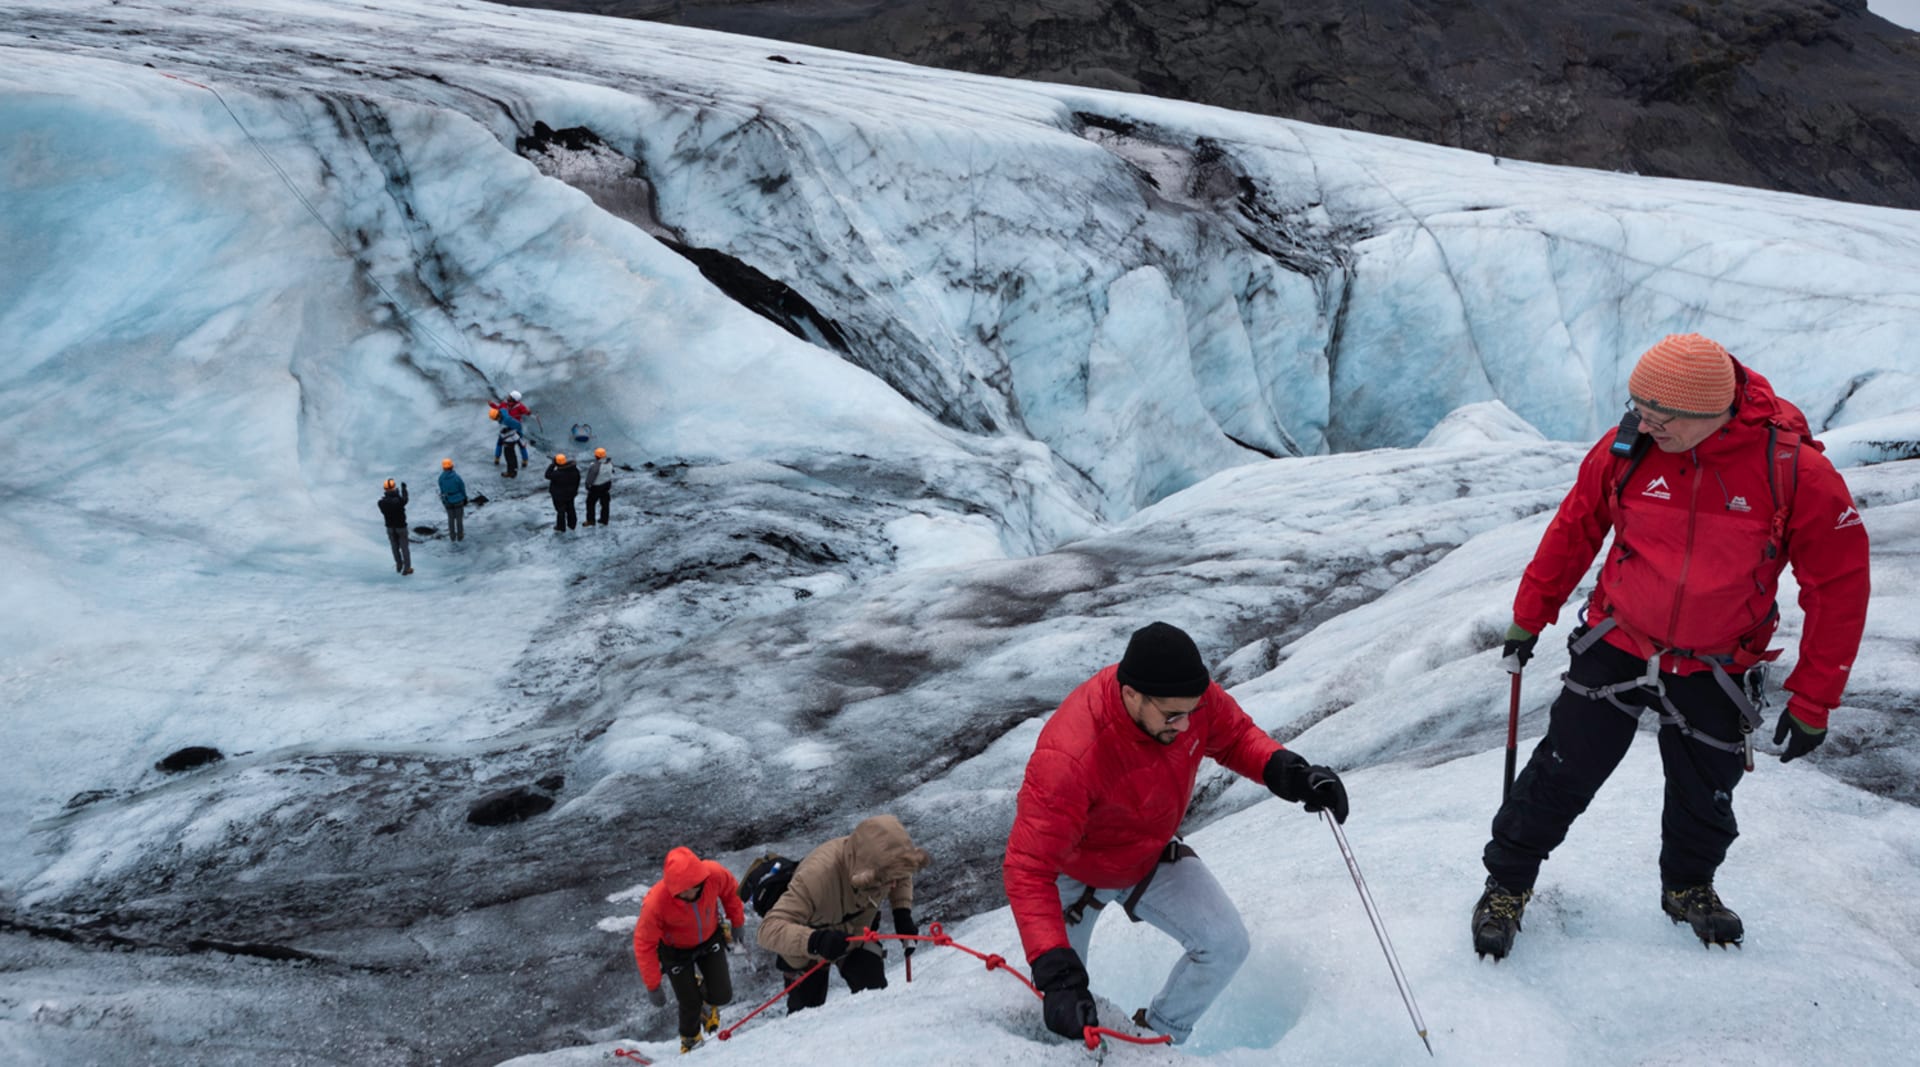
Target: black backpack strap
(1638, 452)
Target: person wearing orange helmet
(453, 494)
(514, 408)
(393, 508)
(686, 924)
(599, 485)
(563, 482)
(508, 441)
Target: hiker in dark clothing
(453, 493)
(563, 481)
(393, 508)
(599, 484)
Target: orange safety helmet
(599, 453)
(494, 414)
(388, 484)
(446, 464)
(560, 459)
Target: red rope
(1095, 1033)
(937, 935)
(634, 1056)
(728, 1032)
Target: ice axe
(1512, 664)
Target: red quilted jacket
(1102, 798)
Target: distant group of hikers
(1710, 486)
(564, 480)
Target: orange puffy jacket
(666, 919)
(1689, 566)
(1102, 798)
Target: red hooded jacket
(666, 919)
(1102, 798)
(1688, 567)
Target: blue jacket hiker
(509, 441)
(453, 493)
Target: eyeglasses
(1640, 413)
(1172, 716)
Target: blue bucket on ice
(582, 433)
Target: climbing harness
(937, 935)
(1175, 851)
(1749, 699)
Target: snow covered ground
(927, 389)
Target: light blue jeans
(1187, 904)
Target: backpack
(765, 879)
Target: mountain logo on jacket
(1738, 503)
(1849, 517)
(1657, 489)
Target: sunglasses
(1172, 717)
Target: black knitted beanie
(1162, 661)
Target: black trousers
(513, 463)
(564, 517)
(862, 970)
(1586, 740)
(699, 976)
(402, 549)
(600, 493)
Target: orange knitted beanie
(1685, 375)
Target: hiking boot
(711, 1020)
(409, 570)
(1699, 907)
(688, 1044)
(1139, 1020)
(1496, 918)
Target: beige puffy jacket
(841, 886)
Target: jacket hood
(1758, 404)
(879, 852)
(683, 871)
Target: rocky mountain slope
(1821, 97)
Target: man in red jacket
(680, 929)
(1725, 489)
(1106, 789)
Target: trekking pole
(1380, 930)
(1513, 731)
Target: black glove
(827, 944)
(1799, 738)
(1069, 1009)
(1518, 649)
(903, 924)
(1316, 788)
(657, 996)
